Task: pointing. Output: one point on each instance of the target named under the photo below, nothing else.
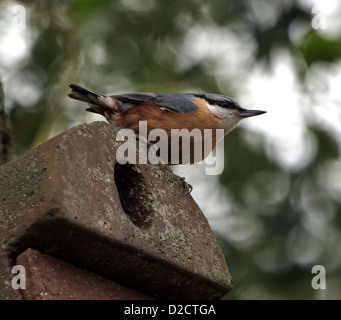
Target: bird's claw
(187, 187)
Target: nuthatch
(166, 111)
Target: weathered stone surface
(49, 278)
(132, 224)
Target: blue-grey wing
(173, 102)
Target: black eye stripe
(220, 101)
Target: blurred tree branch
(6, 147)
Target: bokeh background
(276, 208)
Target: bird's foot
(187, 187)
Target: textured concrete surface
(48, 278)
(132, 224)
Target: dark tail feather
(91, 109)
(86, 95)
(99, 103)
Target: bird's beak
(251, 113)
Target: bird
(169, 111)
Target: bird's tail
(99, 103)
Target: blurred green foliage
(291, 220)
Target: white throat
(229, 117)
